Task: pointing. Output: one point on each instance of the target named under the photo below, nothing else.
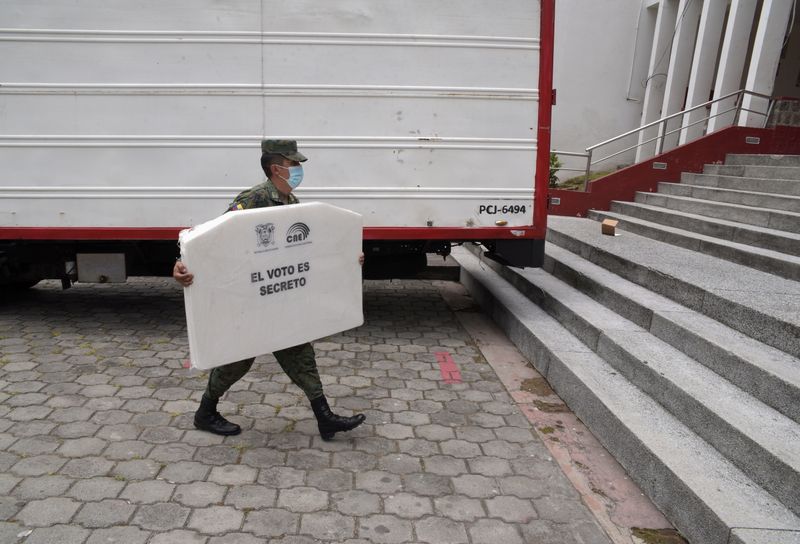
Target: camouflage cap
(285, 148)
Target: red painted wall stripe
(171, 233)
(448, 367)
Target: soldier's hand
(182, 274)
(361, 259)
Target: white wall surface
(595, 47)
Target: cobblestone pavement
(97, 443)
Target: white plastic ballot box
(270, 278)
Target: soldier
(280, 161)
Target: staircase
(678, 341)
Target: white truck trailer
(124, 121)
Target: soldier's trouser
(297, 362)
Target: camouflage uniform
(297, 362)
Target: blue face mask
(295, 176)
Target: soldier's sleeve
(240, 202)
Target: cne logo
(297, 233)
(266, 234)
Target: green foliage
(555, 165)
(577, 183)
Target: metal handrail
(674, 115)
(663, 133)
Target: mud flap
(518, 253)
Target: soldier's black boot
(208, 419)
(329, 423)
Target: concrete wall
(595, 50)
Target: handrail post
(588, 169)
(662, 128)
(739, 100)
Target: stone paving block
(29, 413)
(161, 435)
(302, 499)
(406, 505)
(377, 481)
(460, 448)
(330, 479)
(236, 538)
(250, 497)
(137, 469)
(148, 491)
(42, 487)
(281, 477)
(431, 485)
(385, 529)
(233, 475)
(7, 482)
(161, 516)
(419, 447)
(70, 415)
(199, 494)
(492, 530)
(127, 449)
(217, 455)
(111, 417)
(126, 535)
(170, 453)
(473, 485)
(179, 536)
(201, 438)
(105, 513)
(271, 522)
(437, 530)
(184, 471)
(459, 508)
(152, 419)
(50, 511)
(118, 432)
(511, 509)
(95, 489)
(327, 526)
(445, 465)
(489, 466)
(216, 520)
(62, 534)
(81, 447)
(356, 503)
(400, 464)
(38, 465)
(30, 428)
(26, 399)
(9, 506)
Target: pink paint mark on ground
(448, 367)
(187, 364)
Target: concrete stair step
(760, 305)
(768, 374)
(732, 196)
(698, 489)
(762, 442)
(770, 239)
(765, 160)
(760, 217)
(761, 172)
(773, 262)
(780, 186)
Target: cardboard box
(609, 227)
